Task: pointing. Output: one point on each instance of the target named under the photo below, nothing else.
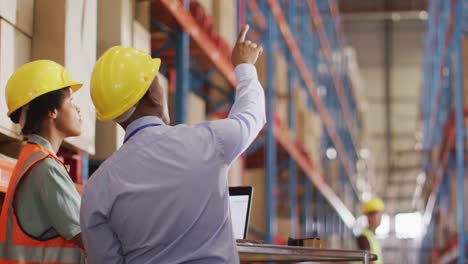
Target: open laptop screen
(239, 202)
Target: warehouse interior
(365, 99)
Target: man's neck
(134, 117)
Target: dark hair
(38, 109)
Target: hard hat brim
(75, 86)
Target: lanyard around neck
(139, 129)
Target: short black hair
(38, 109)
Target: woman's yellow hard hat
(34, 79)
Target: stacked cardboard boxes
(68, 36)
(16, 32)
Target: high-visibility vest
(15, 245)
(374, 245)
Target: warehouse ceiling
(388, 39)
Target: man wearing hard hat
(367, 241)
(163, 196)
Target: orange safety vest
(15, 245)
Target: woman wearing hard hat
(366, 241)
(39, 222)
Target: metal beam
(460, 128)
(183, 72)
(292, 168)
(270, 161)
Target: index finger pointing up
(243, 33)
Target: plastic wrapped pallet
(68, 36)
(15, 50)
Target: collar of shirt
(36, 139)
(141, 122)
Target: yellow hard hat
(121, 77)
(34, 79)
(373, 205)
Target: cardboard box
(284, 225)
(115, 24)
(8, 10)
(68, 36)
(281, 76)
(225, 16)
(207, 6)
(281, 109)
(256, 179)
(235, 173)
(141, 37)
(19, 13)
(196, 109)
(262, 70)
(25, 16)
(142, 13)
(15, 50)
(333, 174)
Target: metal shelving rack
(323, 210)
(443, 115)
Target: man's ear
(154, 95)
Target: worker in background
(39, 222)
(163, 196)
(373, 209)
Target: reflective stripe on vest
(15, 245)
(374, 245)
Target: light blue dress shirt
(163, 196)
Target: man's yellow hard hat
(120, 78)
(373, 205)
(34, 79)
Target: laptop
(240, 201)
